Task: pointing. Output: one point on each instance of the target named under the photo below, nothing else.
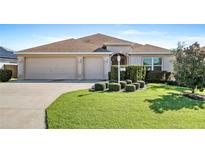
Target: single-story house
(88, 57)
(8, 60)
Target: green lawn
(157, 106)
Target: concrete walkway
(23, 103)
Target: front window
(153, 63)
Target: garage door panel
(50, 68)
(93, 68)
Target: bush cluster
(129, 81)
(137, 85)
(123, 84)
(5, 75)
(130, 88)
(142, 84)
(132, 72)
(114, 87)
(157, 76)
(100, 86)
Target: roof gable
(101, 39)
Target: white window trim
(152, 65)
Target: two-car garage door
(50, 68)
(62, 68)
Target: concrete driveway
(23, 103)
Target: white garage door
(50, 68)
(93, 68)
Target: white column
(21, 61)
(80, 68)
(106, 67)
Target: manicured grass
(157, 106)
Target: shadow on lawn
(173, 101)
(168, 87)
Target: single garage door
(93, 68)
(50, 68)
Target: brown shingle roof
(100, 39)
(70, 45)
(149, 48)
(91, 43)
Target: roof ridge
(103, 35)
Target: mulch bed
(194, 96)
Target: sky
(18, 37)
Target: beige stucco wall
(21, 66)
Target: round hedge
(142, 84)
(137, 85)
(130, 88)
(114, 87)
(100, 86)
(129, 81)
(123, 84)
(5, 75)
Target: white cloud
(137, 32)
(50, 38)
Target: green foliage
(142, 84)
(129, 81)
(100, 86)
(137, 85)
(123, 84)
(189, 67)
(133, 72)
(136, 72)
(157, 76)
(114, 73)
(130, 88)
(114, 87)
(5, 75)
(113, 81)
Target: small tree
(189, 66)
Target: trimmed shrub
(133, 72)
(157, 76)
(123, 84)
(114, 73)
(100, 86)
(142, 84)
(137, 85)
(5, 75)
(129, 81)
(130, 88)
(113, 81)
(172, 82)
(114, 87)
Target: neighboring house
(88, 57)
(8, 60)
